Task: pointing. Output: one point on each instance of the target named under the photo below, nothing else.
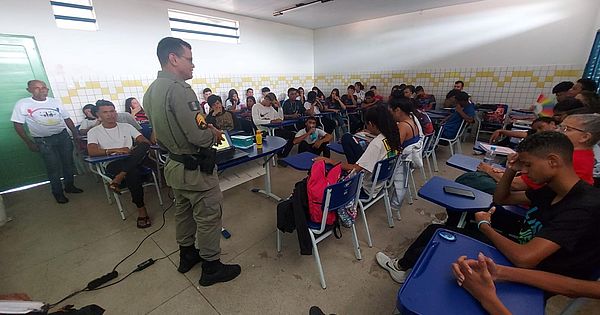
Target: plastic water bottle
(313, 136)
(490, 156)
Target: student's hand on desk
(485, 215)
(122, 150)
(476, 276)
(495, 136)
(484, 167)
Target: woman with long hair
(410, 135)
(133, 106)
(233, 103)
(379, 123)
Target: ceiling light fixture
(298, 6)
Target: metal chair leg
(388, 209)
(355, 242)
(318, 261)
(362, 213)
(278, 241)
(119, 206)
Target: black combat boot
(188, 258)
(215, 271)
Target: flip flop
(143, 222)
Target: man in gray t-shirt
(312, 139)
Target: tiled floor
(51, 250)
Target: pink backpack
(318, 180)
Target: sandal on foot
(143, 222)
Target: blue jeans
(57, 152)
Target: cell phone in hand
(459, 192)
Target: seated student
(590, 100)
(219, 117)
(320, 95)
(124, 118)
(233, 102)
(334, 103)
(360, 92)
(370, 100)
(249, 93)
(424, 101)
(566, 107)
(264, 91)
(385, 144)
(292, 107)
(313, 106)
(206, 93)
(545, 108)
(464, 110)
(312, 139)
(89, 121)
(560, 230)
(583, 84)
(539, 124)
(410, 142)
(301, 97)
(267, 112)
(247, 112)
(111, 138)
(409, 91)
(478, 277)
(133, 107)
(351, 101)
(378, 97)
(450, 101)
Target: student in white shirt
(313, 106)
(360, 92)
(379, 122)
(47, 122)
(312, 139)
(268, 111)
(113, 138)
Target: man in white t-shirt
(47, 122)
(114, 138)
(312, 139)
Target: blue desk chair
(456, 140)
(336, 147)
(107, 179)
(427, 153)
(146, 130)
(383, 174)
(336, 196)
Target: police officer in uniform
(178, 123)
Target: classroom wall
(506, 51)
(119, 60)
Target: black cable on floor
(112, 275)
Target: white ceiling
(321, 15)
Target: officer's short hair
(169, 45)
(213, 99)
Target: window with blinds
(202, 27)
(592, 68)
(75, 14)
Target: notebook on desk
(226, 151)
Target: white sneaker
(390, 265)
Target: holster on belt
(205, 159)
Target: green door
(20, 62)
